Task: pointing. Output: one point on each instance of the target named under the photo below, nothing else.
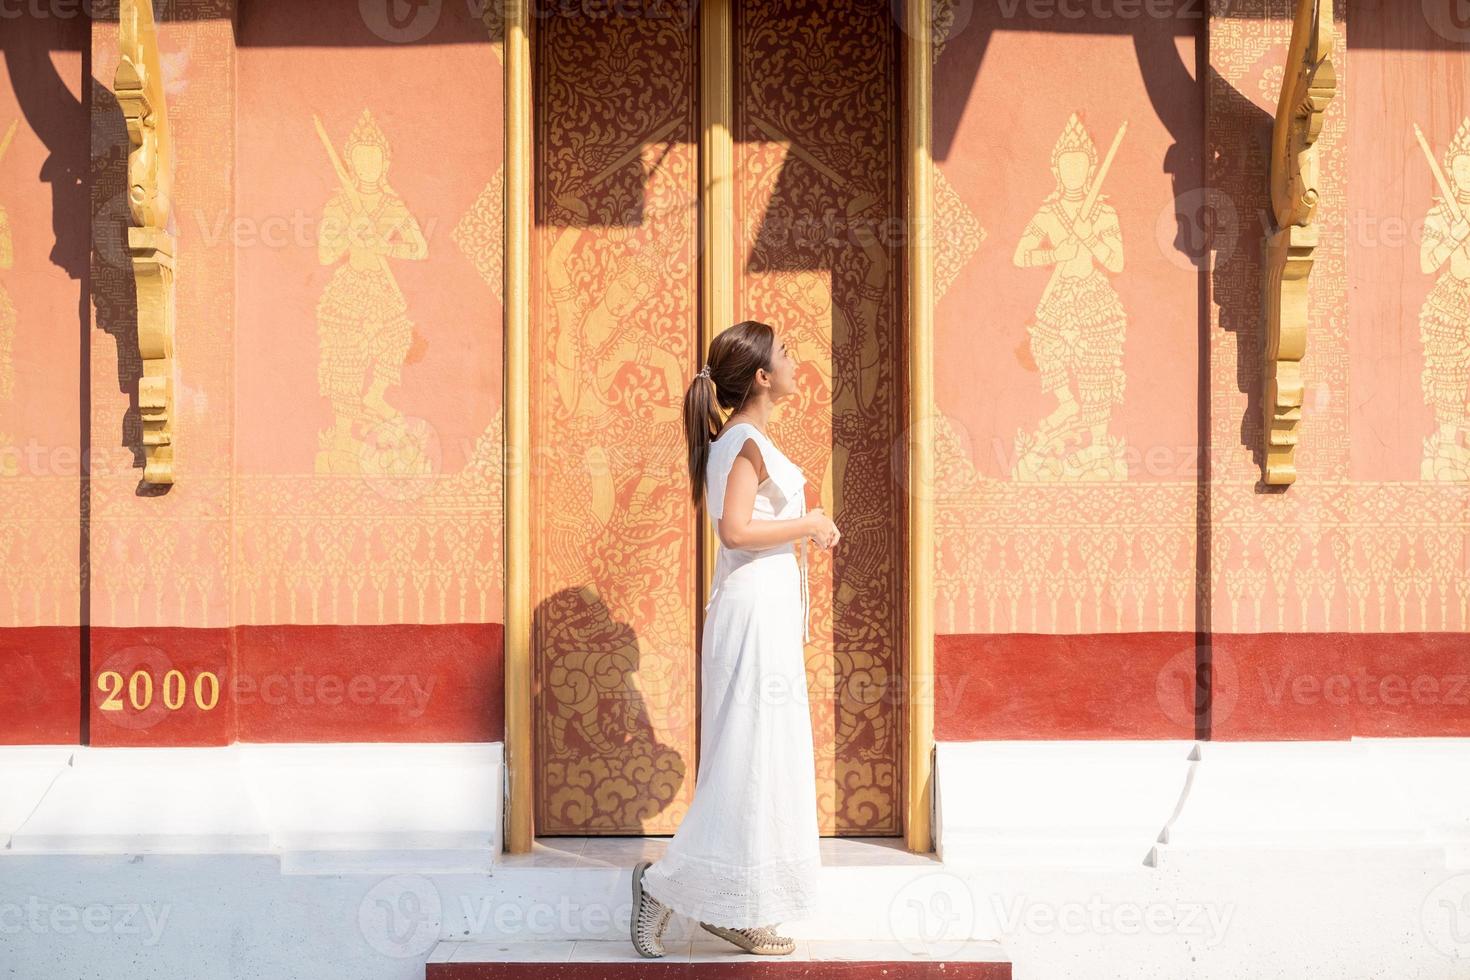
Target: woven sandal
(761, 940)
(650, 916)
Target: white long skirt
(747, 852)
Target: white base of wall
(1118, 804)
(331, 808)
(1081, 860)
(390, 808)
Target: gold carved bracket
(138, 85)
(1308, 88)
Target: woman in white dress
(746, 855)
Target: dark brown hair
(734, 356)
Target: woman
(746, 854)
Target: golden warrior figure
(362, 319)
(1077, 334)
(1444, 320)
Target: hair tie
(704, 371)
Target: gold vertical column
(517, 396)
(716, 201)
(918, 156)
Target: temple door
(616, 284)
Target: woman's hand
(823, 530)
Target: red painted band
(1258, 686)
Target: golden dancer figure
(1077, 336)
(599, 335)
(1444, 320)
(362, 319)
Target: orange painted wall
(1405, 71)
(1165, 602)
(259, 564)
(1044, 548)
(412, 536)
(1174, 603)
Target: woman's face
(783, 369)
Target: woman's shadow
(600, 765)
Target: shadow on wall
(584, 688)
(86, 170)
(1179, 101)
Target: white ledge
(339, 808)
(1121, 803)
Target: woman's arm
(738, 529)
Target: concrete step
(570, 889)
(713, 958)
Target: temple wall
(329, 556)
(1080, 609)
(1068, 533)
(331, 551)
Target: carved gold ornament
(1308, 87)
(139, 88)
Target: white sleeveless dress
(747, 852)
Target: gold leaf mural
(614, 328)
(958, 234)
(480, 234)
(1077, 333)
(1444, 320)
(362, 315)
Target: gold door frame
(717, 306)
